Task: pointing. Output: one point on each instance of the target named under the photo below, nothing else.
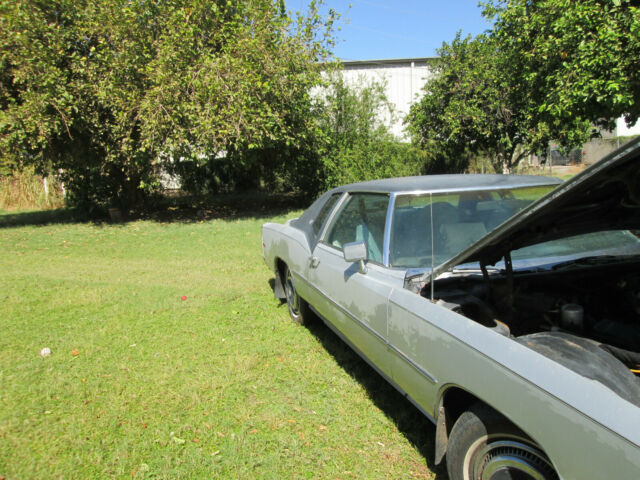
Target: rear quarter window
(324, 212)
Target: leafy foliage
(104, 89)
(357, 143)
(572, 59)
(472, 106)
(548, 71)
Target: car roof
(447, 183)
(424, 184)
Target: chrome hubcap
(511, 460)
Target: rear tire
(485, 445)
(298, 308)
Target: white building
(404, 79)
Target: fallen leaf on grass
(195, 440)
(75, 352)
(322, 428)
(253, 432)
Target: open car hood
(605, 196)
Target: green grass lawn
(143, 384)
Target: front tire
(485, 445)
(298, 308)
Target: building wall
(622, 130)
(404, 80)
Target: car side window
(324, 212)
(361, 219)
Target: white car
(506, 308)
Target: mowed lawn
(143, 384)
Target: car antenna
(432, 244)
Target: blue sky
(379, 29)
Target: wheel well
(453, 403)
(280, 265)
(278, 286)
(456, 401)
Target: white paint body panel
(587, 430)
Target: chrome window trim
(339, 195)
(335, 214)
(329, 221)
(386, 244)
(448, 190)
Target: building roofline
(389, 61)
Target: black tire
(485, 445)
(298, 309)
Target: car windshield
(459, 219)
(596, 244)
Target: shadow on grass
(183, 209)
(44, 217)
(408, 419)
(238, 206)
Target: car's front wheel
(484, 445)
(298, 308)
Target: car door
(303, 283)
(353, 302)
(415, 344)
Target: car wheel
(484, 445)
(298, 308)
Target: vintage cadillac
(506, 308)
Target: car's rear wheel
(298, 308)
(484, 445)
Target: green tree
(473, 107)
(572, 59)
(355, 142)
(104, 89)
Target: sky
(385, 29)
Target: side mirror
(356, 252)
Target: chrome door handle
(314, 262)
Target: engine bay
(600, 303)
